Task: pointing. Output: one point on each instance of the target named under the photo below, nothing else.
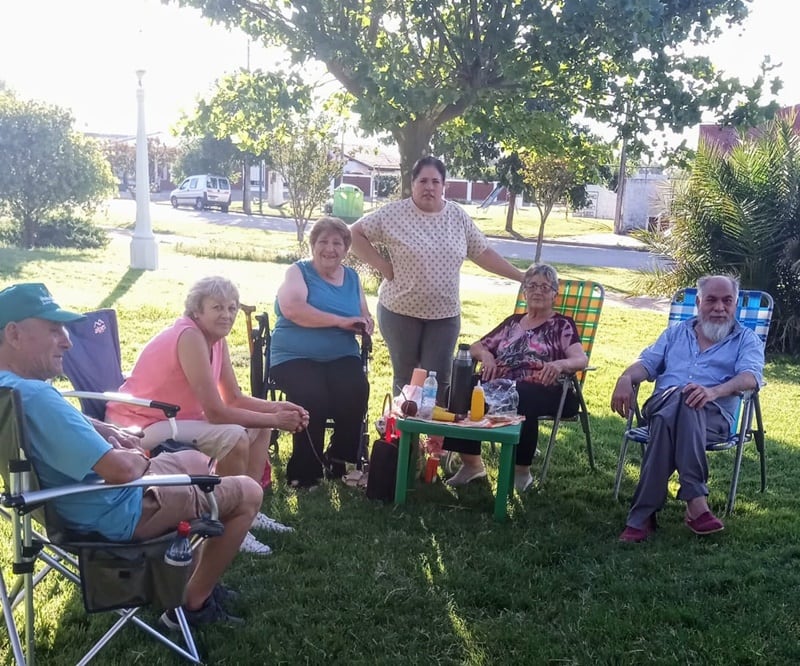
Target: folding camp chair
(583, 302)
(119, 577)
(94, 362)
(262, 385)
(753, 310)
(93, 366)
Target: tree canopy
(49, 169)
(304, 157)
(412, 65)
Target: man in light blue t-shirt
(65, 449)
(699, 366)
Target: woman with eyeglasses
(533, 349)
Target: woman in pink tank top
(189, 364)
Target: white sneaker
(523, 481)
(263, 522)
(465, 475)
(253, 545)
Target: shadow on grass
(124, 285)
(783, 368)
(438, 581)
(13, 259)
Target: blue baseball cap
(31, 299)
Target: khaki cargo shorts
(163, 507)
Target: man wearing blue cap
(65, 449)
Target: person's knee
(241, 447)
(239, 496)
(192, 461)
(252, 494)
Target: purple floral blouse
(518, 353)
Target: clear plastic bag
(501, 397)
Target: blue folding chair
(93, 366)
(94, 362)
(753, 310)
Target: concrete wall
(641, 202)
(603, 203)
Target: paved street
(607, 254)
(580, 255)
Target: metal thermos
(461, 381)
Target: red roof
(727, 136)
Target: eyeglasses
(542, 287)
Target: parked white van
(203, 192)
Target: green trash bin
(348, 203)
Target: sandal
(352, 478)
(355, 478)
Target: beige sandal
(354, 478)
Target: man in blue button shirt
(699, 367)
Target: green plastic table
(410, 430)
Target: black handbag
(383, 464)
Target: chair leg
(553, 433)
(24, 558)
(744, 426)
(11, 626)
(449, 463)
(583, 414)
(758, 437)
(623, 451)
(129, 615)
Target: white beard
(715, 332)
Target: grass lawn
(438, 581)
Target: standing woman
(315, 357)
(428, 238)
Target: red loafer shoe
(705, 523)
(638, 534)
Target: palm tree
(739, 213)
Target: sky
(83, 54)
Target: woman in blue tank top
(315, 355)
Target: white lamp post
(144, 250)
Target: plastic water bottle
(461, 381)
(429, 391)
(179, 553)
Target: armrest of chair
(634, 410)
(170, 410)
(32, 499)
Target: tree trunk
(246, 204)
(543, 214)
(618, 211)
(512, 199)
(413, 142)
(28, 232)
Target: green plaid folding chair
(753, 310)
(582, 300)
